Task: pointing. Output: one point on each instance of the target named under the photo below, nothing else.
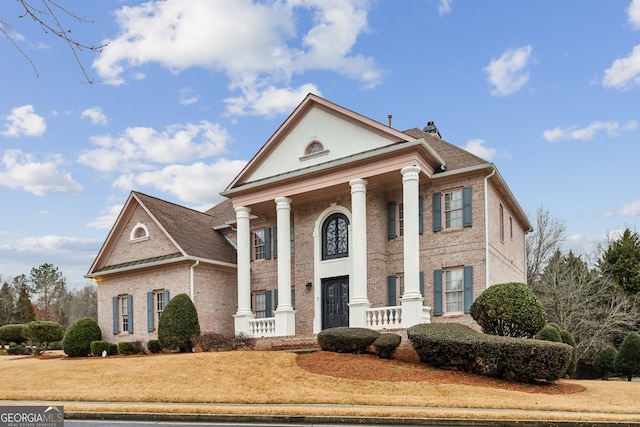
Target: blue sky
(188, 90)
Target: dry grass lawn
(241, 382)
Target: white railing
(426, 314)
(265, 327)
(384, 317)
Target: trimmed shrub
(548, 333)
(568, 339)
(178, 323)
(510, 310)
(212, 341)
(129, 348)
(154, 346)
(12, 333)
(347, 340)
(79, 336)
(97, 347)
(386, 344)
(448, 345)
(40, 334)
(604, 361)
(627, 361)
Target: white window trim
(134, 231)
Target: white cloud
(186, 96)
(629, 209)
(269, 101)
(445, 7)
(624, 73)
(24, 121)
(587, 133)
(476, 146)
(257, 44)
(634, 14)
(96, 115)
(138, 148)
(107, 217)
(22, 171)
(508, 73)
(198, 183)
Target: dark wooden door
(335, 302)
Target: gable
(339, 137)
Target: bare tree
(52, 18)
(541, 243)
(586, 303)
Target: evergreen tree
(25, 312)
(51, 286)
(627, 360)
(7, 304)
(622, 261)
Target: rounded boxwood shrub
(510, 310)
(128, 348)
(604, 361)
(548, 333)
(386, 344)
(154, 346)
(79, 336)
(42, 333)
(178, 323)
(347, 340)
(97, 347)
(567, 338)
(12, 333)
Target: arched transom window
(335, 237)
(314, 147)
(139, 232)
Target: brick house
(338, 220)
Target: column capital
(410, 173)
(358, 185)
(283, 202)
(242, 212)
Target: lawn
(241, 382)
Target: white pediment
(339, 135)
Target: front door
(335, 302)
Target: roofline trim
(159, 263)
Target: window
(395, 219)
(400, 219)
(335, 237)
(124, 312)
(454, 292)
(395, 289)
(262, 301)
(501, 223)
(453, 209)
(156, 302)
(259, 244)
(314, 147)
(139, 232)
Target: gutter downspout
(486, 227)
(191, 286)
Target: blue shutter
(422, 283)
(391, 291)
(437, 211)
(437, 292)
(275, 297)
(166, 297)
(468, 287)
(267, 243)
(267, 304)
(150, 323)
(116, 319)
(391, 220)
(466, 207)
(130, 313)
(275, 242)
(420, 215)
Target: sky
(184, 93)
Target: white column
(359, 302)
(412, 300)
(244, 314)
(285, 315)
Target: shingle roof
(222, 213)
(455, 157)
(192, 230)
